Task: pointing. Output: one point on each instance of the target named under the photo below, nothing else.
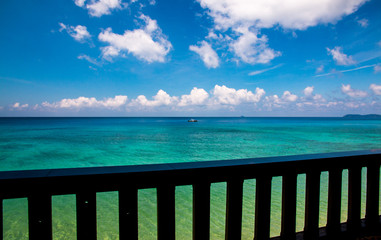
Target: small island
(363, 117)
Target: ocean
(44, 143)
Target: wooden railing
(40, 185)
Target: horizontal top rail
(72, 180)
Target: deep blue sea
(40, 143)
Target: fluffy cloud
(230, 96)
(207, 54)
(346, 89)
(79, 33)
(84, 102)
(252, 49)
(238, 22)
(100, 7)
(375, 88)
(377, 68)
(339, 57)
(289, 97)
(18, 106)
(289, 14)
(80, 3)
(161, 98)
(196, 97)
(147, 44)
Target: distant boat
(192, 120)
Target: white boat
(192, 120)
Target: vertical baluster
(262, 208)
(201, 211)
(289, 206)
(1, 219)
(372, 195)
(311, 226)
(234, 209)
(86, 216)
(128, 213)
(334, 201)
(166, 213)
(354, 199)
(40, 216)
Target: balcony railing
(38, 186)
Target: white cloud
(289, 14)
(89, 59)
(363, 22)
(196, 97)
(264, 70)
(80, 3)
(230, 96)
(289, 97)
(147, 44)
(252, 49)
(308, 91)
(238, 23)
(375, 88)
(377, 68)
(84, 102)
(348, 70)
(18, 106)
(346, 89)
(160, 99)
(320, 69)
(339, 57)
(79, 33)
(103, 7)
(207, 54)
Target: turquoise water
(40, 143)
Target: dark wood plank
(311, 225)
(128, 213)
(166, 212)
(289, 184)
(372, 195)
(40, 217)
(334, 201)
(86, 216)
(201, 211)
(1, 219)
(262, 208)
(354, 199)
(233, 228)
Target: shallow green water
(37, 143)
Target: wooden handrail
(40, 185)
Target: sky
(190, 57)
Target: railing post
(354, 199)
(372, 195)
(1, 219)
(201, 211)
(289, 182)
(262, 208)
(334, 202)
(40, 216)
(86, 216)
(128, 213)
(166, 212)
(311, 226)
(233, 226)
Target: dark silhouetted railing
(38, 186)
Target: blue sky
(190, 58)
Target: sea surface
(44, 143)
